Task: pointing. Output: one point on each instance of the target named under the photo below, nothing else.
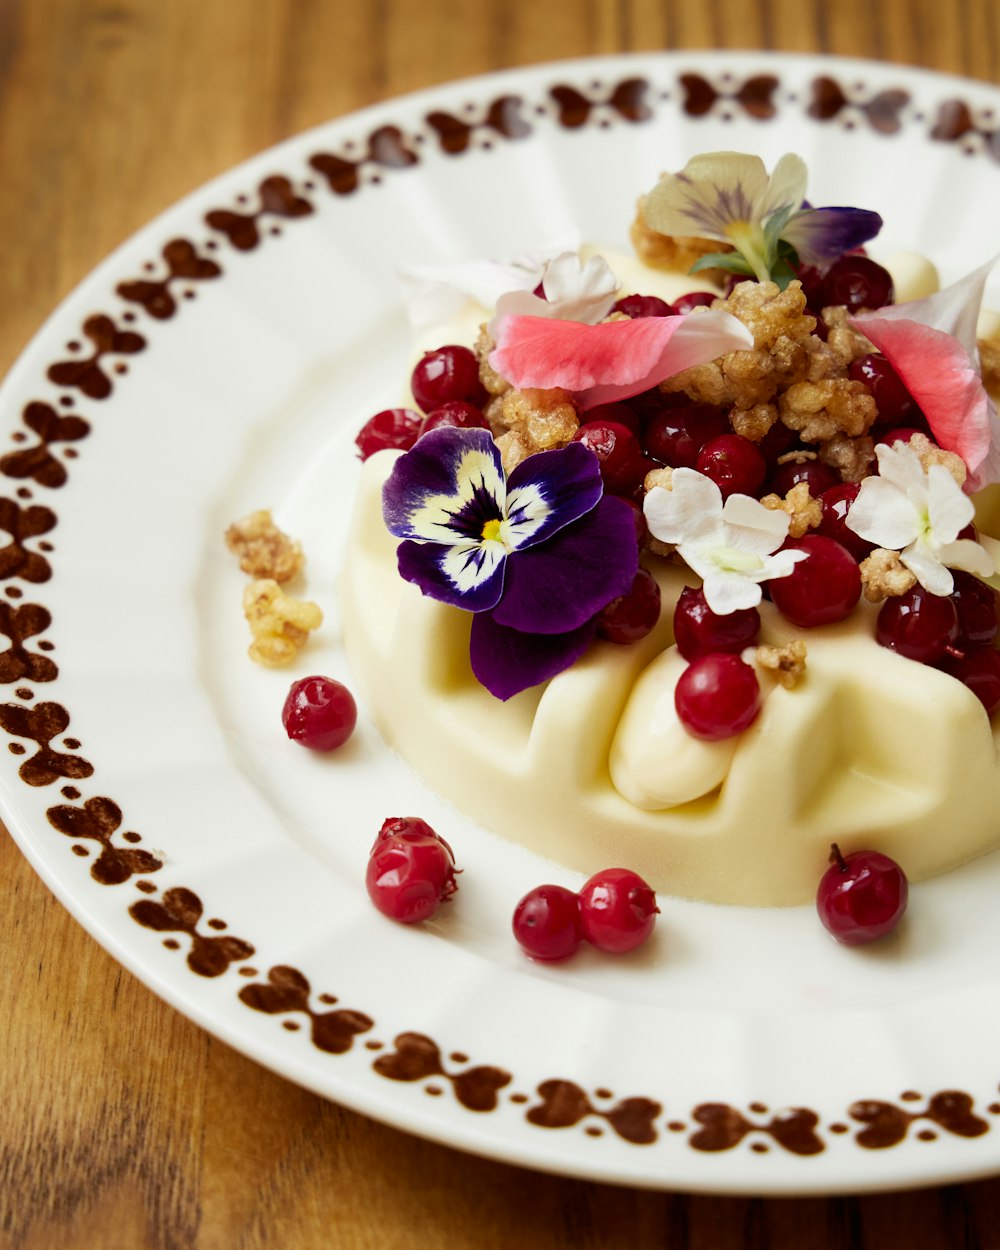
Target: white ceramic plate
(222, 361)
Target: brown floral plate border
(81, 838)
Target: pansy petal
(549, 490)
(445, 487)
(469, 575)
(563, 582)
(820, 235)
(712, 190)
(615, 360)
(942, 378)
(507, 661)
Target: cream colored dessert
(867, 749)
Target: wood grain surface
(122, 1125)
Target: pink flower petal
(614, 360)
(942, 377)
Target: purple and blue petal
(549, 491)
(820, 235)
(507, 661)
(464, 575)
(445, 488)
(560, 584)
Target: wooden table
(122, 1125)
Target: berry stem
(837, 858)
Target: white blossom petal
(967, 554)
(691, 509)
(727, 592)
(883, 514)
(575, 290)
(927, 568)
(949, 509)
(752, 527)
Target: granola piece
(671, 251)
(804, 512)
(844, 342)
(280, 624)
(929, 453)
(661, 476)
(542, 418)
(753, 423)
(263, 549)
(989, 361)
(822, 410)
(491, 380)
(774, 318)
(883, 575)
(513, 449)
(851, 457)
(788, 663)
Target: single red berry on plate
(456, 413)
(410, 829)
(410, 875)
(734, 464)
(698, 629)
(393, 429)
(445, 374)
(820, 590)
(547, 923)
(319, 713)
(618, 910)
(717, 696)
(857, 282)
(630, 617)
(861, 896)
(617, 449)
(917, 624)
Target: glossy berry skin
(630, 617)
(717, 696)
(642, 306)
(456, 413)
(617, 449)
(836, 503)
(894, 402)
(734, 464)
(409, 829)
(620, 413)
(917, 624)
(410, 874)
(977, 606)
(319, 713)
(393, 429)
(676, 434)
(445, 374)
(817, 476)
(697, 629)
(821, 590)
(979, 669)
(618, 910)
(547, 923)
(693, 299)
(861, 896)
(857, 282)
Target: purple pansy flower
(535, 556)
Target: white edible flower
(575, 290)
(732, 546)
(918, 512)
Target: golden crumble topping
(280, 624)
(804, 512)
(883, 575)
(820, 411)
(263, 549)
(788, 663)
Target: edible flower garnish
(574, 290)
(534, 555)
(732, 546)
(920, 513)
(600, 364)
(730, 197)
(931, 343)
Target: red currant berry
(899, 434)
(409, 829)
(976, 605)
(778, 441)
(457, 414)
(697, 629)
(734, 464)
(319, 713)
(617, 449)
(409, 877)
(694, 299)
(861, 896)
(917, 624)
(816, 475)
(979, 669)
(820, 590)
(836, 504)
(717, 696)
(394, 429)
(620, 413)
(618, 910)
(893, 401)
(676, 435)
(448, 373)
(547, 923)
(631, 617)
(642, 306)
(857, 282)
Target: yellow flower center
(491, 531)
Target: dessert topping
(862, 896)
(264, 550)
(279, 623)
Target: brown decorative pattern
(287, 990)
(88, 375)
(183, 262)
(38, 462)
(277, 199)
(180, 912)
(711, 1127)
